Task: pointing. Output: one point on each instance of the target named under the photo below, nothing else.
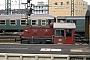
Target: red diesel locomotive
(56, 33)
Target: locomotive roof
(64, 25)
(19, 16)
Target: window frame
(3, 24)
(43, 22)
(67, 2)
(21, 22)
(55, 3)
(35, 23)
(61, 3)
(69, 31)
(60, 32)
(14, 22)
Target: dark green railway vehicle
(16, 23)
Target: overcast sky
(15, 3)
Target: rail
(8, 38)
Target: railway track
(8, 38)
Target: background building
(14, 11)
(56, 8)
(40, 8)
(67, 7)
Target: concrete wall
(9, 56)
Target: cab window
(68, 32)
(59, 33)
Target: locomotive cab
(64, 33)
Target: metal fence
(9, 56)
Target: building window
(59, 33)
(42, 11)
(61, 3)
(43, 22)
(34, 22)
(23, 22)
(2, 22)
(55, 3)
(12, 22)
(67, 2)
(42, 7)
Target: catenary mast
(8, 7)
(72, 7)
